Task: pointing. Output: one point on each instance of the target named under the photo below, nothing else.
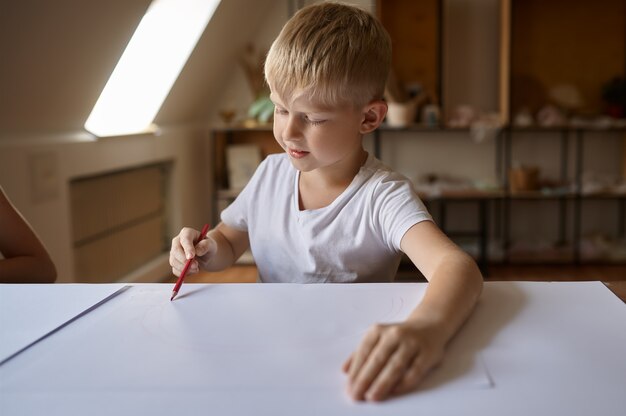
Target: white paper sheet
(277, 349)
(244, 337)
(566, 334)
(28, 312)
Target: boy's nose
(293, 130)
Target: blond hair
(333, 53)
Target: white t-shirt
(354, 239)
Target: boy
(326, 211)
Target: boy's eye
(313, 121)
(281, 111)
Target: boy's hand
(393, 359)
(183, 249)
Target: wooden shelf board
(468, 194)
(541, 195)
(603, 195)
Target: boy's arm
(455, 282)
(218, 251)
(394, 358)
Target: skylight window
(153, 59)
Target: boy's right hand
(183, 249)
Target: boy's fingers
(370, 370)
(393, 372)
(363, 351)
(203, 247)
(193, 268)
(411, 378)
(187, 236)
(346, 365)
(177, 255)
(416, 372)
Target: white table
(256, 349)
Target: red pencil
(179, 282)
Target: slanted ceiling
(56, 56)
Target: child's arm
(394, 358)
(25, 258)
(218, 251)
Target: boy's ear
(373, 114)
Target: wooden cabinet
(581, 43)
(415, 31)
(118, 222)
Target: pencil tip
(173, 296)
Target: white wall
(67, 158)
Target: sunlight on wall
(153, 59)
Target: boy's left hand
(393, 359)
